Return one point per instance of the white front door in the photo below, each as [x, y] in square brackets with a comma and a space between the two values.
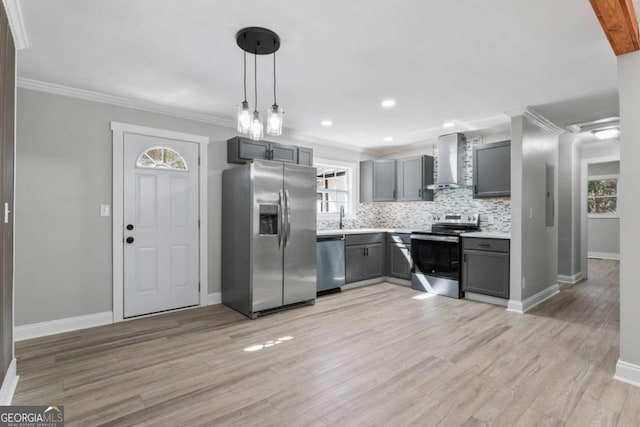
[160, 235]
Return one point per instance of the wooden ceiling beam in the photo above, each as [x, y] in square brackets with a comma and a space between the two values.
[619, 22]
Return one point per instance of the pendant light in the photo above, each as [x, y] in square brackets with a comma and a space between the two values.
[274, 115]
[258, 41]
[244, 111]
[256, 129]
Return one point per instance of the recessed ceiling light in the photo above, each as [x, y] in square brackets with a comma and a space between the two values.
[607, 133]
[326, 123]
[449, 124]
[388, 139]
[388, 103]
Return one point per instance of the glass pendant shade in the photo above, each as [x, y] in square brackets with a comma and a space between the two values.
[274, 120]
[256, 132]
[245, 114]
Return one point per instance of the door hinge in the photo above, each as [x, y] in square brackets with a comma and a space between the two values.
[198, 223]
[198, 160]
[198, 286]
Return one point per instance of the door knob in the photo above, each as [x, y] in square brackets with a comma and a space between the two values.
[129, 240]
[129, 227]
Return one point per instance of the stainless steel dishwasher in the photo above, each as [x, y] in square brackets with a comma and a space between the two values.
[330, 263]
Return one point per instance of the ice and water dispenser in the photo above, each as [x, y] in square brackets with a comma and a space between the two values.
[268, 219]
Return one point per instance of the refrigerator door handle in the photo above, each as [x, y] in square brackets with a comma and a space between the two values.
[281, 218]
[287, 204]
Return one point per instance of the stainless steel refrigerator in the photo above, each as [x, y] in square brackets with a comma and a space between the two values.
[268, 237]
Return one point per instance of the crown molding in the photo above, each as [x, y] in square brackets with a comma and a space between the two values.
[16, 23]
[538, 118]
[151, 107]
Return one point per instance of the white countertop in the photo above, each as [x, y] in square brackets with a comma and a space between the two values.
[363, 231]
[488, 235]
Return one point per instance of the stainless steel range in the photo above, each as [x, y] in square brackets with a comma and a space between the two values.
[437, 253]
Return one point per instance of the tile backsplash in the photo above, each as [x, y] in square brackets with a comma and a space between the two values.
[417, 215]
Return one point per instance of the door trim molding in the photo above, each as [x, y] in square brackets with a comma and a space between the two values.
[584, 217]
[9, 384]
[119, 130]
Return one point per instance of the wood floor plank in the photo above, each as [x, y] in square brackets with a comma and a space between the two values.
[371, 356]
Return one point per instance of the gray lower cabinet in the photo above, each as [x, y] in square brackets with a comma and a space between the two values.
[242, 150]
[486, 266]
[400, 261]
[378, 181]
[364, 257]
[492, 170]
[414, 175]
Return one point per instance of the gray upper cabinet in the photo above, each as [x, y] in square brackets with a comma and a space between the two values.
[378, 181]
[283, 153]
[242, 150]
[305, 156]
[492, 170]
[384, 180]
[414, 174]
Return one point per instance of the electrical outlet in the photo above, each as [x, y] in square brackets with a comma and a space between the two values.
[490, 220]
[105, 210]
[524, 283]
[530, 213]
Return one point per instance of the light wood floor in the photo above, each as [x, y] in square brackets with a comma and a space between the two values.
[370, 356]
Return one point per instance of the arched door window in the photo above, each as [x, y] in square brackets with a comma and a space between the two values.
[161, 158]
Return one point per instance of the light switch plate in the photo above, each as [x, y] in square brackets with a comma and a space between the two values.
[105, 210]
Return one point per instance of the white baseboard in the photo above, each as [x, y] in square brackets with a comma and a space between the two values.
[214, 298]
[9, 385]
[570, 280]
[604, 255]
[485, 298]
[363, 283]
[397, 281]
[533, 300]
[43, 329]
[627, 373]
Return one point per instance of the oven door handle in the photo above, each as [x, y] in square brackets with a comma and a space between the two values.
[433, 238]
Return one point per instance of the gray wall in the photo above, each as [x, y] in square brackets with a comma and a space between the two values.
[629, 91]
[534, 246]
[569, 206]
[64, 158]
[604, 233]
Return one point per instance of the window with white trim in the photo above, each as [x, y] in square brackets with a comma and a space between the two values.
[333, 189]
[161, 158]
[602, 196]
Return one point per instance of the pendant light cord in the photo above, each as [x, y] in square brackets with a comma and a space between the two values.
[255, 75]
[275, 100]
[245, 75]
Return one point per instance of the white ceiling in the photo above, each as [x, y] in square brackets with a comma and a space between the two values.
[464, 60]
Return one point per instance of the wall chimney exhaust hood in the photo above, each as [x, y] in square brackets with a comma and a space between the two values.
[450, 160]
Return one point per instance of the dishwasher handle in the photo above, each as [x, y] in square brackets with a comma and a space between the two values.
[329, 238]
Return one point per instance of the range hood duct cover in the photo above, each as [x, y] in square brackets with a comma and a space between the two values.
[450, 158]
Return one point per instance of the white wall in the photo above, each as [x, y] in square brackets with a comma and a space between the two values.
[603, 233]
[534, 246]
[629, 91]
[63, 247]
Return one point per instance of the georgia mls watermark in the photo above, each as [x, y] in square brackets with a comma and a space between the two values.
[31, 416]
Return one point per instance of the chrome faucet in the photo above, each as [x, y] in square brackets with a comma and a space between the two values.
[341, 225]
